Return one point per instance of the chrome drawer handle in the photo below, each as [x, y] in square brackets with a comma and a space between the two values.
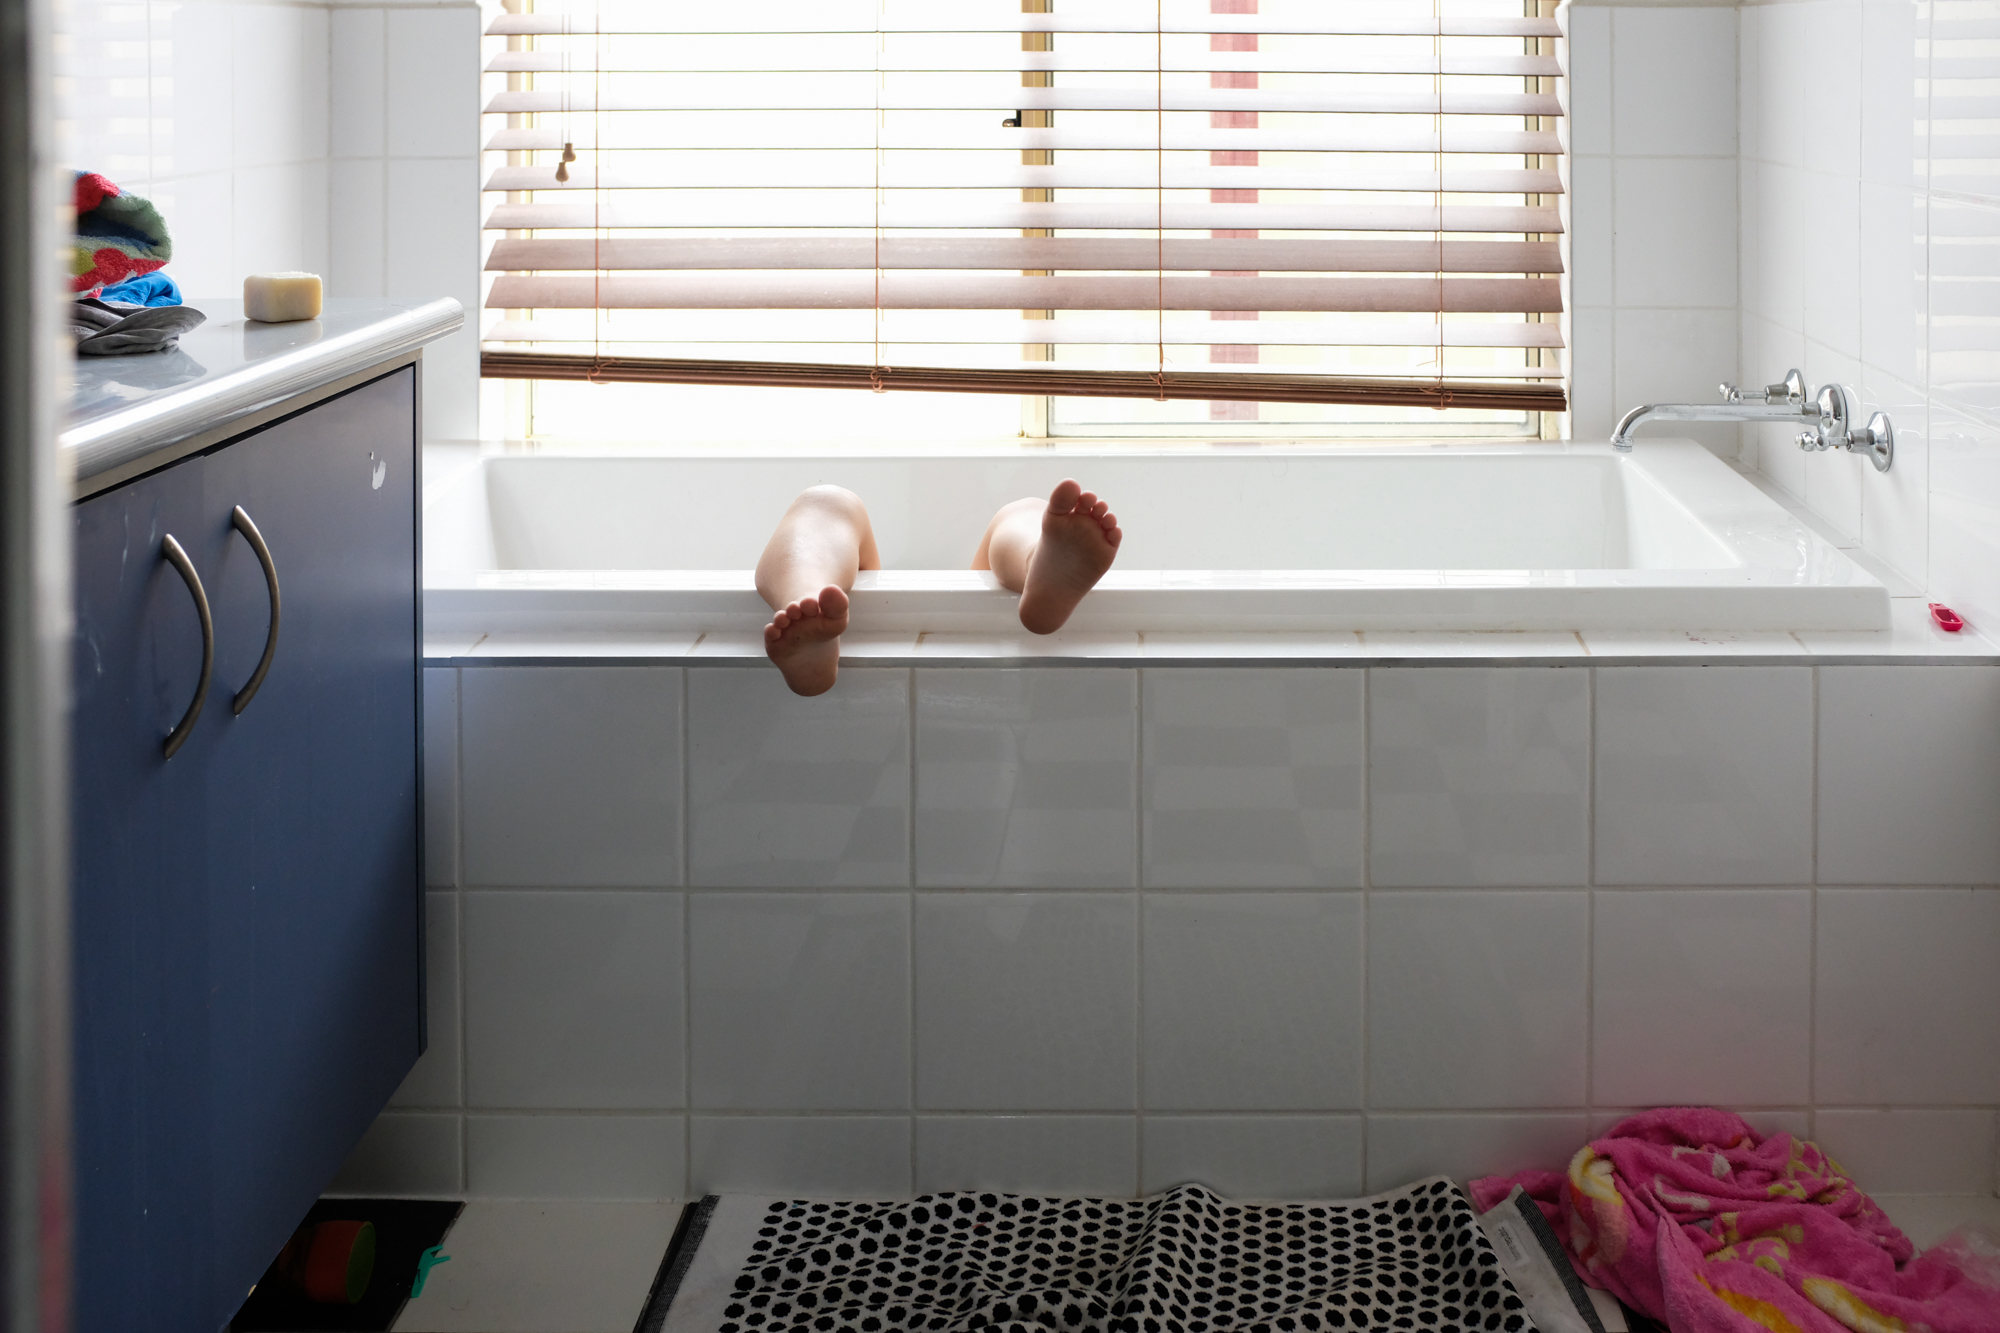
[178, 558]
[256, 539]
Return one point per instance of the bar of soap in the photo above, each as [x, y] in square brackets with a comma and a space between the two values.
[279, 298]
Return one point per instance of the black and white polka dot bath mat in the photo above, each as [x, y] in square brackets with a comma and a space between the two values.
[1181, 1262]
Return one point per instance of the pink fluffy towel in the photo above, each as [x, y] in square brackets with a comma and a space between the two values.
[1690, 1216]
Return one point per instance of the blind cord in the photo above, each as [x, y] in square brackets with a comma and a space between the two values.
[1160, 193]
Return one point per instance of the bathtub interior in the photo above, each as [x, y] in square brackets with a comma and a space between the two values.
[1227, 508]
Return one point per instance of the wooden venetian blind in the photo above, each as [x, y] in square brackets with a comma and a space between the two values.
[1342, 201]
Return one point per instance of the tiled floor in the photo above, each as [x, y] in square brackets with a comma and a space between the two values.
[545, 1266]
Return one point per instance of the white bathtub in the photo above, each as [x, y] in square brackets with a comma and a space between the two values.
[1226, 538]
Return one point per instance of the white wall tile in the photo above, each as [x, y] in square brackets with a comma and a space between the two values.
[1027, 1002]
[1895, 92]
[1907, 990]
[1773, 246]
[356, 229]
[1675, 971]
[1673, 80]
[1911, 1152]
[1478, 776]
[358, 67]
[1589, 79]
[799, 1002]
[1253, 1001]
[1403, 1148]
[790, 791]
[1678, 356]
[828, 1156]
[269, 229]
[1253, 778]
[1962, 65]
[1676, 231]
[1593, 401]
[1964, 261]
[431, 85]
[1593, 240]
[1895, 505]
[1895, 266]
[203, 71]
[1095, 1156]
[1964, 455]
[1908, 764]
[201, 215]
[573, 1000]
[1026, 778]
[403, 1153]
[571, 775]
[1477, 999]
[1704, 775]
[435, 1080]
[1256, 1157]
[1832, 259]
[441, 776]
[1831, 137]
[576, 1156]
[268, 61]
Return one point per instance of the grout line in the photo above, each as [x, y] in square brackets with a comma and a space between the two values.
[1813, 959]
[1137, 773]
[1590, 910]
[458, 913]
[910, 911]
[687, 938]
[1366, 879]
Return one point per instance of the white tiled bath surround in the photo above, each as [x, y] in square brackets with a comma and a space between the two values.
[1303, 929]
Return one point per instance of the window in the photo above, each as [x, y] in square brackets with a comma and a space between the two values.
[1114, 217]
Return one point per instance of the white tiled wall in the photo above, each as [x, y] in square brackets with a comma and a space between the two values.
[334, 138]
[1653, 200]
[1871, 217]
[1641, 890]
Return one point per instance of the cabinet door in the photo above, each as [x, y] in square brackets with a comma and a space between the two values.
[140, 917]
[315, 900]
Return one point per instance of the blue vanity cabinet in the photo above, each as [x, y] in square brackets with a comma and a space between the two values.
[248, 920]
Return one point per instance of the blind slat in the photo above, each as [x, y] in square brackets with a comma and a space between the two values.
[623, 59]
[788, 95]
[733, 134]
[860, 171]
[990, 329]
[901, 290]
[1346, 21]
[1070, 253]
[714, 210]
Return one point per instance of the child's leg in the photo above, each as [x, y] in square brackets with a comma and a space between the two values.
[804, 574]
[1051, 553]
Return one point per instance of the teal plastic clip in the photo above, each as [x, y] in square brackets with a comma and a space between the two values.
[426, 1261]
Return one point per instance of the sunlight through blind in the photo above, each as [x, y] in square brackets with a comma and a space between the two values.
[1340, 201]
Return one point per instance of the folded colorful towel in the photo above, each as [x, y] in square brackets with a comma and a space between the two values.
[118, 236]
[114, 328]
[1688, 1215]
[147, 289]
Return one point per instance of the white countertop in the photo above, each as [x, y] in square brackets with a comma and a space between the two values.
[125, 407]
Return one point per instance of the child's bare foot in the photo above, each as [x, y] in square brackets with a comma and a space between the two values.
[1080, 539]
[803, 639]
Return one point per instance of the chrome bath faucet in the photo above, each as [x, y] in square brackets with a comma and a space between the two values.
[1828, 417]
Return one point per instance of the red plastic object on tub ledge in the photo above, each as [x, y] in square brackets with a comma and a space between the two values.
[1945, 618]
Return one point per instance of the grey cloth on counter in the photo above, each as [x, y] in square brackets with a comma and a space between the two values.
[115, 328]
